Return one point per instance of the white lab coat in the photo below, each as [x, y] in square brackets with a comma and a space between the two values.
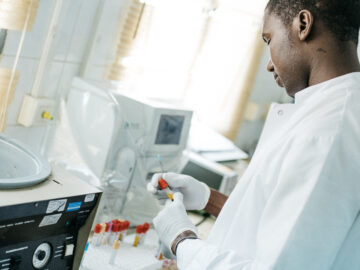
[297, 205]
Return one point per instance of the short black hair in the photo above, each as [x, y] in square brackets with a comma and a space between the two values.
[342, 17]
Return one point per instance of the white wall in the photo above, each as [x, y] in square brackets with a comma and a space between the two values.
[68, 56]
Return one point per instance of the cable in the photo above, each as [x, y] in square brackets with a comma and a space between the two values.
[205, 217]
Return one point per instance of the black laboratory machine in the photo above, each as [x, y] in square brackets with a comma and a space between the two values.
[46, 226]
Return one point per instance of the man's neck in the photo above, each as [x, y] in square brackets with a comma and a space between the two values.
[329, 64]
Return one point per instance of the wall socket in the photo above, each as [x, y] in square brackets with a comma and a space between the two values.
[35, 110]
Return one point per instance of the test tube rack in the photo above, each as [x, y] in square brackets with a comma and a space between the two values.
[128, 256]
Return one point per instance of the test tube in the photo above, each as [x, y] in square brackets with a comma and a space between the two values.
[102, 233]
[159, 254]
[165, 186]
[126, 228]
[146, 227]
[114, 232]
[113, 254]
[122, 230]
[139, 229]
[97, 235]
[106, 234]
[118, 231]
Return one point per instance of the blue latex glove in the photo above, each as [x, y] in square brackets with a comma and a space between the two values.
[172, 221]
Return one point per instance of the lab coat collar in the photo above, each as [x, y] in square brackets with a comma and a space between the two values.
[275, 127]
[347, 79]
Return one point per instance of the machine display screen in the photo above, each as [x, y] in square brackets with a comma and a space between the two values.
[209, 177]
[169, 131]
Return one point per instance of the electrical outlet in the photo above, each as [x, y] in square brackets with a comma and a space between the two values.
[36, 110]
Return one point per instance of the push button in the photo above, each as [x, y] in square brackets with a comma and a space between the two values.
[69, 250]
[40, 255]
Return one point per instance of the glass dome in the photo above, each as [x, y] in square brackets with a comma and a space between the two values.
[19, 166]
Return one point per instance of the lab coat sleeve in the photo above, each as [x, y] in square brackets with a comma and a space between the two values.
[306, 218]
[199, 255]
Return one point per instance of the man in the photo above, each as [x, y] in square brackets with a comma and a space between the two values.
[297, 205]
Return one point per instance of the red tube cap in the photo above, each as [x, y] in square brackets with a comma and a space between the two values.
[139, 229]
[163, 184]
[97, 228]
[115, 227]
[127, 224]
[115, 221]
[146, 227]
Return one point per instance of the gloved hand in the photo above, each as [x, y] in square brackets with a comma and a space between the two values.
[196, 193]
[172, 221]
[167, 253]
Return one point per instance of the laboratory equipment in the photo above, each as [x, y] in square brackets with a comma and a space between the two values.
[114, 252]
[106, 236]
[127, 257]
[215, 175]
[119, 137]
[96, 239]
[115, 228]
[46, 226]
[102, 233]
[19, 166]
[125, 227]
[159, 255]
[165, 187]
[145, 228]
[137, 237]
[141, 231]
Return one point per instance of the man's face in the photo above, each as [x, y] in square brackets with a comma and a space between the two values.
[285, 58]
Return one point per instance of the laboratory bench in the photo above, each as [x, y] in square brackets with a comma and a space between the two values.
[141, 257]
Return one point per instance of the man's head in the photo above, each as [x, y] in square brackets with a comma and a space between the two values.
[306, 35]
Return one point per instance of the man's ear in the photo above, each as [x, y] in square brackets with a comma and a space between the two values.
[304, 23]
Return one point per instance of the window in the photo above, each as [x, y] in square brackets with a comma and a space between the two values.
[196, 53]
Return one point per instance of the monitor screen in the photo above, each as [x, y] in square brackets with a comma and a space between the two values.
[169, 130]
[203, 174]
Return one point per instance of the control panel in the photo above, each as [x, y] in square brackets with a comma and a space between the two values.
[43, 234]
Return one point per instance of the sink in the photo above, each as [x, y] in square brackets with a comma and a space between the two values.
[19, 166]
